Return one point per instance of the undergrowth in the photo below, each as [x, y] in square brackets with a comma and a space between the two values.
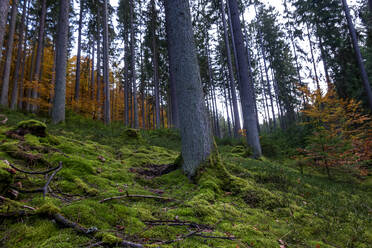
[255, 203]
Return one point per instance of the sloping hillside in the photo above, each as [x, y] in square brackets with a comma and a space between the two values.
[117, 187]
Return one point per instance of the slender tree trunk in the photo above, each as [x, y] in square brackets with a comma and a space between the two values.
[39, 53]
[133, 62]
[237, 126]
[92, 73]
[313, 57]
[78, 57]
[247, 89]
[194, 125]
[4, 9]
[155, 63]
[8, 60]
[126, 80]
[98, 69]
[227, 111]
[20, 52]
[59, 101]
[29, 90]
[363, 72]
[106, 64]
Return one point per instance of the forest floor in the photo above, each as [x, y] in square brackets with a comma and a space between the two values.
[252, 203]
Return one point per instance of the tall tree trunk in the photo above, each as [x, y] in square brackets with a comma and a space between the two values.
[247, 89]
[92, 72]
[126, 81]
[29, 90]
[39, 53]
[237, 126]
[4, 9]
[155, 63]
[20, 52]
[227, 111]
[106, 64]
[358, 54]
[313, 57]
[133, 62]
[8, 60]
[78, 57]
[196, 135]
[59, 101]
[98, 69]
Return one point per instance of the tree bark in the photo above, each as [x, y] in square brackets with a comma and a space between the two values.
[78, 57]
[20, 52]
[92, 72]
[59, 100]
[237, 126]
[196, 137]
[4, 9]
[8, 60]
[247, 89]
[106, 65]
[133, 65]
[39, 52]
[358, 54]
[98, 69]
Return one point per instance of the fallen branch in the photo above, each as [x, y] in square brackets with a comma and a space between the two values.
[23, 206]
[33, 172]
[138, 196]
[176, 223]
[178, 239]
[214, 237]
[44, 189]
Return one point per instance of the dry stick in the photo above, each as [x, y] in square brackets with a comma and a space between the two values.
[138, 196]
[24, 206]
[214, 237]
[34, 172]
[176, 223]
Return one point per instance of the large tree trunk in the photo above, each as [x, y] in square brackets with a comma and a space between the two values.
[78, 57]
[8, 60]
[59, 101]
[126, 80]
[133, 65]
[155, 64]
[106, 65]
[20, 52]
[247, 89]
[237, 126]
[358, 54]
[98, 69]
[195, 130]
[4, 9]
[39, 52]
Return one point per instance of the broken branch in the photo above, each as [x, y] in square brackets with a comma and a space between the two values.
[137, 196]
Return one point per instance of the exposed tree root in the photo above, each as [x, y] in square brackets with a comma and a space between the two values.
[138, 196]
[34, 172]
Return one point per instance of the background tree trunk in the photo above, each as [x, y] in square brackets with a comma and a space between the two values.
[8, 59]
[59, 100]
[133, 65]
[194, 125]
[247, 89]
[78, 57]
[20, 52]
[358, 54]
[106, 65]
[4, 9]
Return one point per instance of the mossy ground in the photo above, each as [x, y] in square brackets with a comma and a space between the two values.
[257, 202]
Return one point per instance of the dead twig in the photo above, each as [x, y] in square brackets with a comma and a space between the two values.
[138, 196]
[23, 206]
[176, 223]
[33, 172]
[214, 237]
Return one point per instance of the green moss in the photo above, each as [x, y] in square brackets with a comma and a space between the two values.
[32, 140]
[108, 238]
[83, 186]
[35, 127]
[132, 133]
[6, 177]
[48, 209]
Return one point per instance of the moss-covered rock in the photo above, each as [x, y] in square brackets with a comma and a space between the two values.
[133, 133]
[6, 176]
[34, 127]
